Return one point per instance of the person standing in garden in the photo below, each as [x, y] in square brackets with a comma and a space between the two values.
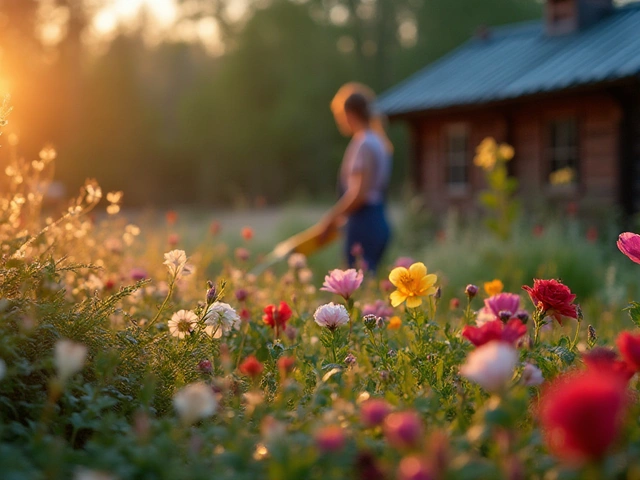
[363, 177]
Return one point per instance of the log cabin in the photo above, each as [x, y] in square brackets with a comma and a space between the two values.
[564, 92]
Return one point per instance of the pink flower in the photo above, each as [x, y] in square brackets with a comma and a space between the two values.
[405, 262]
[330, 439]
[509, 333]
[374, 411]
[629, 244]
[379, 308]
[403, 429]
[502, 304]
[342, 282]
[138, 274]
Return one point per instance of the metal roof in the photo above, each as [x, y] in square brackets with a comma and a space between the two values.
[519, 60]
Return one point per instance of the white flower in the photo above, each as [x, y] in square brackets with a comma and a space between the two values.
[331, 315]
[297, 261]
[69, 358]
[176, 262]
[182, 323]
[532, 375]
[3, 369]
[484, 315]
[491, 365]
[220, 319]
[194, 402]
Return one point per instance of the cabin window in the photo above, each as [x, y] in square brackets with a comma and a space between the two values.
[563, 151]
[457, 155]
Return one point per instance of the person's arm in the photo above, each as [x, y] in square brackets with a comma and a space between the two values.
[358, 186]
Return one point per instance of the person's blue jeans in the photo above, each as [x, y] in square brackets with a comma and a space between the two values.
[368, 227]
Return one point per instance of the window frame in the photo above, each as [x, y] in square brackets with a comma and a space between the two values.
[563, 155]
[459, 160]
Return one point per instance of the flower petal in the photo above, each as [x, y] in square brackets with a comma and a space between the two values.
[396, 274]
[414, 302]
[418, 270]
[397, 298]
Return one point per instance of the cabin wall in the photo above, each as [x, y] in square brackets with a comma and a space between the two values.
[526, 127]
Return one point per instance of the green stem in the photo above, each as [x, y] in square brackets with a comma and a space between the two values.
[575, 338]
[333, 345]
[164, 304]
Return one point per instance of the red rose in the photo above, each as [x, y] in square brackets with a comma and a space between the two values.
[251, 367]
[510, 332]
[629, 346]
[555, 299]
[607, 362]
[581, 414]
[277, 316]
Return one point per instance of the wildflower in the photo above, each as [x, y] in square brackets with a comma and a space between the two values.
[629, 244]
[297, 261]
[182, 323]
[251, 367]
[607, 362]
[241, 294]
[205, 366]
[404, 262]
[471, 291]
[194, 402]
[454, 303]
[212, 293]
[331, 316]
[486, 154]
[69, 358]
[379, 308]
[507, 303]
[370, 321]
[563, 176]
[342, 282]
[285, 365]
[373, 412]
[554, 299]
[581, 415]
[532, 375]
[403, 429]
[494, 330]
[411, 284]
[176, 262]
[138, 274]
[491, 365]
[277, 317]
[247, 233]
[330, 439]
[394, 323]
[414, 467]
[493, 287]
[629, 346]
[173, 239]
[171, 217]
[242, 254]
[350, 360]
[221, 318]
[506, 151]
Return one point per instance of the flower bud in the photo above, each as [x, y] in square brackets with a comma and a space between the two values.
[471, 291]
[212, 293]
[592, 337]
[403, 429]
[350, 360]
[438, 293]
[523, 316]
[205, 366]
[504, 315]
[370, 321]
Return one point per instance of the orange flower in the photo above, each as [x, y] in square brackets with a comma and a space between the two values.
[493, 287]
[411, 285]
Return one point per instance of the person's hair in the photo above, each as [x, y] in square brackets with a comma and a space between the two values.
[357, 104]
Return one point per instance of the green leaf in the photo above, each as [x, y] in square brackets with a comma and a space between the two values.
[634, 312]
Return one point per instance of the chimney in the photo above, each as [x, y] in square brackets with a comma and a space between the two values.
[569, 16]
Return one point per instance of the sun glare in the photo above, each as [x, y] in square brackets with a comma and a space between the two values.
[162, 12]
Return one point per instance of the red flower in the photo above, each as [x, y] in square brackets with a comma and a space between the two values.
[581, 414]
[277, 316]
[247, 233]
[172, 217]
[285, 365]
[555, 298]
[606, 361]
[330, 439]
[629, 346]
[510, 332]
[251, 367]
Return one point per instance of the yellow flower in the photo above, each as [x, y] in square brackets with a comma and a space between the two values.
[506, 152]
[493, 287]
[564, 176]
[411, 285]
[394, 323]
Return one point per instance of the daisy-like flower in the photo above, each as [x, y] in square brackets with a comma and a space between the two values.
[411, 285]
[176, 262]
[331, 316]
[220, 319]
[182, 322]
